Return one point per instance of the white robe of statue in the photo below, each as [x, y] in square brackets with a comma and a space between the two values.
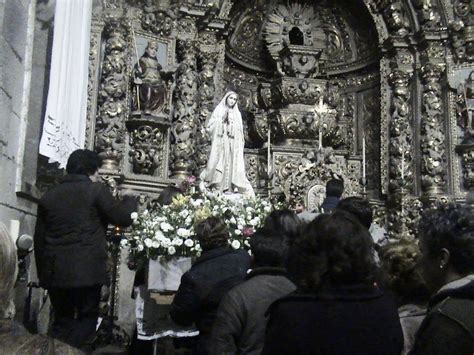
[225, 170]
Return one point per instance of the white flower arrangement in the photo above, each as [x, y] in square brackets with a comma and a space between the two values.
[169, 230]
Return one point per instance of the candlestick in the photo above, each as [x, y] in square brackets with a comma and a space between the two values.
[363, 160]
[320, 135]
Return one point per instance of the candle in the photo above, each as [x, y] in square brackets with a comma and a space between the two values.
[363, 160]
[403, 164]
[269, 151]
[321, 103]
[320, 133]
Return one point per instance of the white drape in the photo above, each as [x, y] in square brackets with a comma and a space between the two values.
[66, 108]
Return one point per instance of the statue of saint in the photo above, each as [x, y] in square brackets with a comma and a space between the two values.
[225, 170]
[151, 89]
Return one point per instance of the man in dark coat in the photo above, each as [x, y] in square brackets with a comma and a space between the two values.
[240, 323]
[213, 274]
[334, 190]
[70, 245]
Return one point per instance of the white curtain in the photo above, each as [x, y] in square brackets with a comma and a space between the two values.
[66, 108]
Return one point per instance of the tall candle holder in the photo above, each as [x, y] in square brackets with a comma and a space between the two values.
[319, 111]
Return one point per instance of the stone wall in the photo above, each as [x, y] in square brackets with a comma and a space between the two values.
[24, 38]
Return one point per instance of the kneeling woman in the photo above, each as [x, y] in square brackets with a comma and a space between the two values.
[337, 308]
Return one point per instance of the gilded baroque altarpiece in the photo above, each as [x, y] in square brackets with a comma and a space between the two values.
[316, 80]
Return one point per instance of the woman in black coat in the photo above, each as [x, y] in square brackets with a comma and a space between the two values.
[337, 308]
[70, 246]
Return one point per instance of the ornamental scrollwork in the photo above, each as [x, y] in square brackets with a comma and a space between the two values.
[401, 170]
[403, 215]
[112, 96]
[158, 21]
[432, 132]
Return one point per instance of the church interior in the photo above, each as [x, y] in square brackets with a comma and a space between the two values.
[377, 93]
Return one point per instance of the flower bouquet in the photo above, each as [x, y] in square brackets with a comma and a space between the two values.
[169, 230]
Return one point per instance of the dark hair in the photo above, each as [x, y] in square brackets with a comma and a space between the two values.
[167, 194]
[212, 233]
[359, 207]
[450, 227]
[283, 222]
[334, 249]
[334, 187]
[401, 275]
[83, 162]
[268, 250]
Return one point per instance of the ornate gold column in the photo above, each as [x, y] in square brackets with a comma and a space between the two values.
[432, 136]
[185, 111]
[113, 105]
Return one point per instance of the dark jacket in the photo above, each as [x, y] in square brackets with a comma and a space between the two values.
[329, 203]
[70, 244]
[204, 285]
[357, 319]
[449, 324]
[240, 323]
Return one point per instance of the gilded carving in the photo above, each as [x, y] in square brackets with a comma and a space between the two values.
[428, 14]
[432, 131]
[395, 16]
[461, 30]
[184, 123]
[112, 110]
[401, 170]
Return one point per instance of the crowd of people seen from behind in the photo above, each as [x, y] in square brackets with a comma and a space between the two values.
[317, 282]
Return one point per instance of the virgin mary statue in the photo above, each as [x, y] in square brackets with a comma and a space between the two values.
[225, 170]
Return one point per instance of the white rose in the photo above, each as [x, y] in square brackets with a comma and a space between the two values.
[267, 209]
[134, 215]
[183, 232]
[235, 244]
[184, 213]
[177, 241]
[198, 254]
[171, 250]
[197, 247]
[159, 235]
[124, 243]
[145, 213]
[249, 209]
[166, 242]
[232, 220]
[189, 243]
[155, 244]
[148, 242]
[255, 221]
[140, 247]
[237, 232]
[165, 227]
[188, 220]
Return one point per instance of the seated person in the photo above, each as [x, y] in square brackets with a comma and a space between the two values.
[447, 264]
[337, 308]
[399, 263]
[240, 321]
[215, 272]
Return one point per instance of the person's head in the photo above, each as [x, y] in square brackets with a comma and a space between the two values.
[334, 249]
[83, 162]
[151, 48]
[231, 99]
[283, 222]
[268, 250]
[446, 237]
[167, 194]
[359, 207]
[212, 233]
[335, 188]
[401, 275]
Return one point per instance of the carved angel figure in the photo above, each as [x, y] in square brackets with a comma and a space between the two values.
[225, 170]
